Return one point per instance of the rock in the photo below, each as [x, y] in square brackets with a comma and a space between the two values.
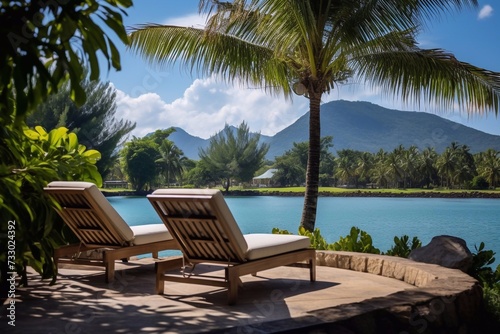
[446, 251]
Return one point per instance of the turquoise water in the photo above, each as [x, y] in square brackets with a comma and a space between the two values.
[474, 220]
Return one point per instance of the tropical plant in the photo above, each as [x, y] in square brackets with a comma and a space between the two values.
[139, 156]
[318, 242]
[356, 241]
[56, 155]
[43, 45]
[94, 122]
[234, 154]
[488, 166]
[314, 45]
[402, 246]
[170, 161]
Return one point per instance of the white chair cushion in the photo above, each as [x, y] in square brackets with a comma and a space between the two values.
[116, 220]
[145, 234]
[265, 245]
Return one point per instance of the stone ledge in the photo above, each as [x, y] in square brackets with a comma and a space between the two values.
[444, 299]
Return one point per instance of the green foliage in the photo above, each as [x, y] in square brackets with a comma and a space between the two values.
[38, 157]
[479, 182]
[491, 297]
[44, 43]
[140, 156]
[402, 246]
[293, 163]
[234, 155]
[94, 122]
[488, 278]
[481, 266]
[317, 240]
[356, 241]
[170, 162]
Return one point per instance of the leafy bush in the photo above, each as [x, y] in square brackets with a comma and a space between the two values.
[37, 158]
[317, 240]
[488, 278]
[402, 247]
[356, 241]
[479, 183]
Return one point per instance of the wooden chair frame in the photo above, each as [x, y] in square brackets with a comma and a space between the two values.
[197, 223]
[94, 227]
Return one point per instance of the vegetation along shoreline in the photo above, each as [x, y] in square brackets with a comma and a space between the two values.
[346, 193]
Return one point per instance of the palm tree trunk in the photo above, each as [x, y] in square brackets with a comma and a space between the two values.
[312, 175]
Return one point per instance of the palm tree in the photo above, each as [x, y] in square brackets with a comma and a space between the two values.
[447, 165]
[427, 167]
[171, 160]
[488, 166]
[313, 45]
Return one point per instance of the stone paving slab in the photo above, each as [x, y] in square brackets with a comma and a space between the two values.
[276, 300]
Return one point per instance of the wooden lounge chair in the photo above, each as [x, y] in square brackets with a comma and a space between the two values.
[98, 226]
[202, 224]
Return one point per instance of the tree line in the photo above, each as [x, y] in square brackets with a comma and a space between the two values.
[235, 157]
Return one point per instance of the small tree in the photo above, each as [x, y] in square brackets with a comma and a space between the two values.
[234, 155]
[140, 156]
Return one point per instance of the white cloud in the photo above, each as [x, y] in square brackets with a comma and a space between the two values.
[190, 20]
[485, 12]
[206, 106]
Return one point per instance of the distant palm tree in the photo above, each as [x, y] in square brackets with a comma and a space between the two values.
[313, 45]
[171, 160]
[447, 165]
[428, 165]
[488, 166]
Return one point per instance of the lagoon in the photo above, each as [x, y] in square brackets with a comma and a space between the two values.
[474, 220]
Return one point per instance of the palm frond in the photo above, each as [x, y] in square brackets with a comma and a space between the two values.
[206, 53]
[434, 76]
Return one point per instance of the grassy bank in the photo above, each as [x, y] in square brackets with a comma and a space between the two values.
[334, 191]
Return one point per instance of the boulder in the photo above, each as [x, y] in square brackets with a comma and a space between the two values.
[446, 251]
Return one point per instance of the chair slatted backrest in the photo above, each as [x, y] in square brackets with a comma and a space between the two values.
[85, 216]
[200, 227]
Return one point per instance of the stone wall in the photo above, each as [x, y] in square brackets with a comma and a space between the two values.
[444, 301]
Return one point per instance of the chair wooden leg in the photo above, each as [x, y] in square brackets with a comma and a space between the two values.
[155, 255]
[312, 268]
[161, 267]
[160, 284]
[109, 264]
[233, 281]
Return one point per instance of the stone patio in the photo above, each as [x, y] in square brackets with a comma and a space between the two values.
[354, 293]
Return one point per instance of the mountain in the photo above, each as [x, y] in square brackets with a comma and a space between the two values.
[366, 127]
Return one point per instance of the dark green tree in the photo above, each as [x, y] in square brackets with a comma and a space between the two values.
[170, 161]
[234, 154]
[140, 156]
[94, 122]
[488, 166]
[292, 164]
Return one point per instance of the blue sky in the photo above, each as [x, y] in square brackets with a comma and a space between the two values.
[160, 98]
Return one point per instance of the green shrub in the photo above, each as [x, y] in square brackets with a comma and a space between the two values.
[356, 241]
[488, 278]
[37, 158]
[479, 183]
[402, 247]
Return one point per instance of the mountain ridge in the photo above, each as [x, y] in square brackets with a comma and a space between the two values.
[363, 126]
